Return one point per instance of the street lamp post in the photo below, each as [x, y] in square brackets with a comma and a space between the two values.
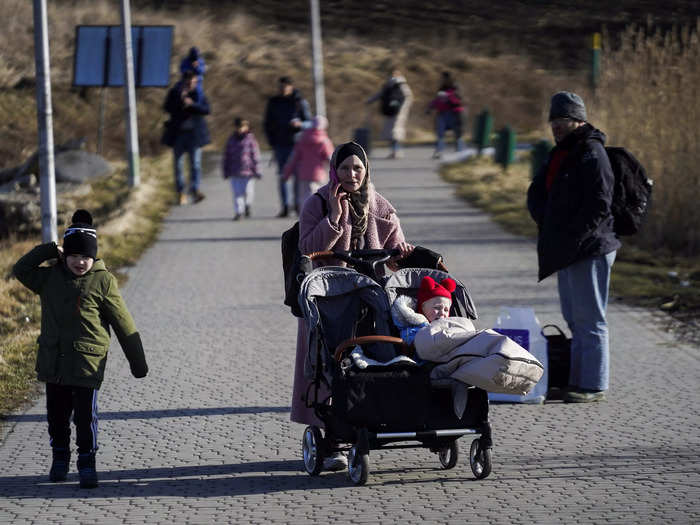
[47, 173]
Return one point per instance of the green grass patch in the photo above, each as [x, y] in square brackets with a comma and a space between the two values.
[640, 276]
[128, 221]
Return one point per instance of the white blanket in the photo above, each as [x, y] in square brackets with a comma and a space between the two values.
[484, 358]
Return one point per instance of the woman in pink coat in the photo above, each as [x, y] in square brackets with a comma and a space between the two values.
[309, 160]
[355, 216]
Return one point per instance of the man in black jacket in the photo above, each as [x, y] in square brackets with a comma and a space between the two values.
[285, 115]
[570, 201]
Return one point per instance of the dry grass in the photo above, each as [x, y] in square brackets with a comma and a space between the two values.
[649, 102]
[245, 55]
[126, 229]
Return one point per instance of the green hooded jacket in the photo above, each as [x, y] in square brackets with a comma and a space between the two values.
[76, 313]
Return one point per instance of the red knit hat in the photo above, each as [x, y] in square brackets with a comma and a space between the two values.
[429, 289]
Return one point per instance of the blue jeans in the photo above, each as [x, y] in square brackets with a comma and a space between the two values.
[448, 120]
[185, 144]
[281, 155]
[583, 294]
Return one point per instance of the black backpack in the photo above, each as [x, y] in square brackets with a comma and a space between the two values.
[291, 265]
[632, 194]
[392, 99]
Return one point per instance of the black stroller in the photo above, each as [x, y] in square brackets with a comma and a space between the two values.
[380, 406]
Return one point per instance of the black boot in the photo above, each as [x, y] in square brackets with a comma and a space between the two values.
[284, 212]
[247, 210]
[86, 470]
[60, 464]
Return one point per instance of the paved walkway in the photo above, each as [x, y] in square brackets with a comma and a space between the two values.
[207, 438]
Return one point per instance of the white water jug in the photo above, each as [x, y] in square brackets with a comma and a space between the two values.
[521, 325]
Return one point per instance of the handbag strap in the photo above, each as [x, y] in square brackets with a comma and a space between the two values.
[561, 332]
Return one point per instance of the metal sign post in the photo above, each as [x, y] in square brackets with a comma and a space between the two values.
[47, 174]
[132, 138]
[317, 59]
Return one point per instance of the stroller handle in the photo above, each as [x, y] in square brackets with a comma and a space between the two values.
[347, 256]
[348, 343]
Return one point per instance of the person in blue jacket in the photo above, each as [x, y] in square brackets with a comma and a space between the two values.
[186, 132]
[194, 61]
[570, 200]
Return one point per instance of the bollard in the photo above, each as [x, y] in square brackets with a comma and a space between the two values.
[595, 60]
[482, 130]
[539, 155]
[505, 147]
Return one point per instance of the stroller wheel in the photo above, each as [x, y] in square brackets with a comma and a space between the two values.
[480, 459]
[358, 466]
[312, 450]
[449, 455]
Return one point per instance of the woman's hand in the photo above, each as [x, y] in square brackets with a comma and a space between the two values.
[405, 250]
[335, 196]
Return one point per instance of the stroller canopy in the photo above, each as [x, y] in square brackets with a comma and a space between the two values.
[341, 303]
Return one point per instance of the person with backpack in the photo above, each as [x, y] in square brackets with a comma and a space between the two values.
[396, 98]
[450, 111]
[345, 214]
[571, 199]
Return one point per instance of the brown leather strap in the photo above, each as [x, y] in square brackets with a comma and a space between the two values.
[318, 255]
[370, 339]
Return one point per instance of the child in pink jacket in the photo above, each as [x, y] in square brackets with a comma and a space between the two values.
[242, 165]
[309, 160]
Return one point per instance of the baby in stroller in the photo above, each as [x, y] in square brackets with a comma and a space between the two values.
[485, 359]
[433, 302]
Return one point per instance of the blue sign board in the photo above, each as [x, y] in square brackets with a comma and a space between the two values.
[99, 56]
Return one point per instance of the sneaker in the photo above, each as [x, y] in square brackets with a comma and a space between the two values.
[60, 464]
[198, 196]
[337, 461]
[181, 199]
[284, 212]
[86, 471]
[247, 210]
[584, 396]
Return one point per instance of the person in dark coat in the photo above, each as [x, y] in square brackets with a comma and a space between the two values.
[186, 132]
[570, 200]
[286, 114]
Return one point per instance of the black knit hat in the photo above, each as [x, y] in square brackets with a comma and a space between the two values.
[567, 105]
[347, 149]
[81, 237]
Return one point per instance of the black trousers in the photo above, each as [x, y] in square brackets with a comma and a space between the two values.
[61, 402]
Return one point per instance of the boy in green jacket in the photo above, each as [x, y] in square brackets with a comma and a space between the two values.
[80, 300]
